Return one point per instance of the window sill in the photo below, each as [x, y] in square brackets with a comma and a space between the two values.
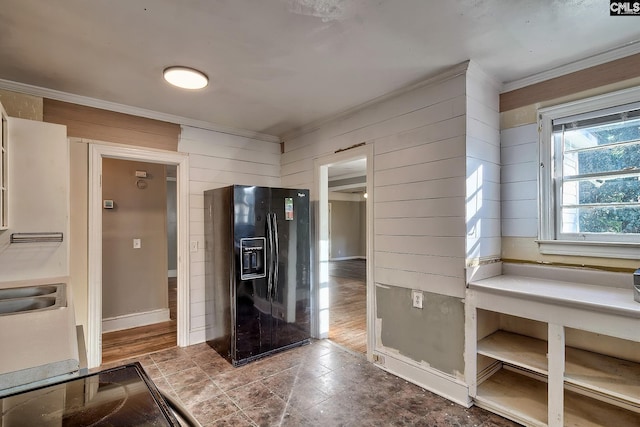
[589, 249]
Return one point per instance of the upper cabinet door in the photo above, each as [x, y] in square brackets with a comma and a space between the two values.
[4, 174]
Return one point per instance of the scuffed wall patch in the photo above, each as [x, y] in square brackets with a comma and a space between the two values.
[432, 336]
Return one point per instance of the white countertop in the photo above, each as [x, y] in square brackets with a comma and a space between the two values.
[606, 299]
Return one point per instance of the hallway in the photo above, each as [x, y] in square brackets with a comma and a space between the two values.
[128, 343]
[348, 304]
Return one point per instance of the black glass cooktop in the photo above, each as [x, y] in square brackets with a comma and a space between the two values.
[122, 396]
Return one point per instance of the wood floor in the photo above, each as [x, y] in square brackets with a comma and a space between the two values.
[348, 304]
[128, 343]
[347, 281]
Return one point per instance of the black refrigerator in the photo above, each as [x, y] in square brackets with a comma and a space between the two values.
[257, 270]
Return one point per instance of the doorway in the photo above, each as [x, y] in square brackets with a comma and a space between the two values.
[138, 296]
[344, 289]
[347, 182]
[97, 153]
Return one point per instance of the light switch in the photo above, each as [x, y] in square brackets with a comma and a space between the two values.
[194, 246]
[137, 244]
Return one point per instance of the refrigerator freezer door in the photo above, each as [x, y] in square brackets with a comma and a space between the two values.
[252, 305]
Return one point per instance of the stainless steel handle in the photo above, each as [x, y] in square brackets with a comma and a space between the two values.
[277, 255]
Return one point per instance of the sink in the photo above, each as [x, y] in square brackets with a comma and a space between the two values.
[37, 333]
[24, 299]
[10, 306]
[28, 291]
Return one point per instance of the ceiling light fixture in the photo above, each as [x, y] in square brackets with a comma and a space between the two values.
[185, 77]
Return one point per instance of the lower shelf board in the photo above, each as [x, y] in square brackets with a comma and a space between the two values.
[524, 400]
[514, 396]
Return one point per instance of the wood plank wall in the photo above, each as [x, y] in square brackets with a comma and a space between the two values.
[419, 179]
[589, 78]
[216, 160]
[109, 126]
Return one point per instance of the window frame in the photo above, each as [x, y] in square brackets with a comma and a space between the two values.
[549, 241]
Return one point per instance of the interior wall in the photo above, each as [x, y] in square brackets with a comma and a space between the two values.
[520, 157]
[134, 280]
[86, 125]
[483, 238]
[419, 163]
[103, 125]
[346, 229]
[20, 105]
[216, 160]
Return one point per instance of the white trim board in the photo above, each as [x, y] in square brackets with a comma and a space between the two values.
[344, 258]
[592, 61]
[425, 377]
[133, 320]
[321, 237]
[97, 151]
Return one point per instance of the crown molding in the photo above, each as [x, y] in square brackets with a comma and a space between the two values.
[127, 109]
[447, 74]
[601, 58]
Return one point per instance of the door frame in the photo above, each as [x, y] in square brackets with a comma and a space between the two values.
[320, 294]
[98, 151]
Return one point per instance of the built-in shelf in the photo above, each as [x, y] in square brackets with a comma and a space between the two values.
[515, 349]
[514, 396]
[524, 399]
[565, 380]
[603, 374]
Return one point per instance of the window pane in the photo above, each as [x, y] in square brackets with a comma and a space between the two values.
[628, 130]
[608, 159]
[614, 190]
[622, 220]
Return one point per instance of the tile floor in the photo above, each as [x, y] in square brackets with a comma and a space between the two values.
[321, 384]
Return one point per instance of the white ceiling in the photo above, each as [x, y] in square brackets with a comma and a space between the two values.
[276, 65]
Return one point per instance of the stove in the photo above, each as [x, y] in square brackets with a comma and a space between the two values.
[121, 396]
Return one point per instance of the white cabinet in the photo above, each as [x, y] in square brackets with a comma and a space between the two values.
[38, 176]
[554, 353]
[4, 171]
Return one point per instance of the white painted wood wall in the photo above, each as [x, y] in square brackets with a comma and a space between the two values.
[483, 167]
[519, 153]
[429, 143]
[419, 181]
[216, 160]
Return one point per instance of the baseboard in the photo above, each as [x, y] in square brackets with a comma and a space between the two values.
[425, 377]
[134, 320]
[172, 273]
[344, 258]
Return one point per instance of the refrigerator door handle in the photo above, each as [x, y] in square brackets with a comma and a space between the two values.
[276, 260]
[270, 262]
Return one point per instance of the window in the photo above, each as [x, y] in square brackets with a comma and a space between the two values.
[590, 177]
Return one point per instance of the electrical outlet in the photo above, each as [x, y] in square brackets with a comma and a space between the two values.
[416, 298]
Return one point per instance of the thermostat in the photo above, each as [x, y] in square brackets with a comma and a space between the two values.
[107, 204]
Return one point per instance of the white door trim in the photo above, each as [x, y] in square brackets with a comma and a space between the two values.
[98, 151]
[321, 256]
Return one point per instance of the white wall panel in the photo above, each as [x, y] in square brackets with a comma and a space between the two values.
[520, 227]
[438, 150]
[520, 181]
[215, 160]
[482, 168]
[445, 207]
[436, 189]
[421, 245]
